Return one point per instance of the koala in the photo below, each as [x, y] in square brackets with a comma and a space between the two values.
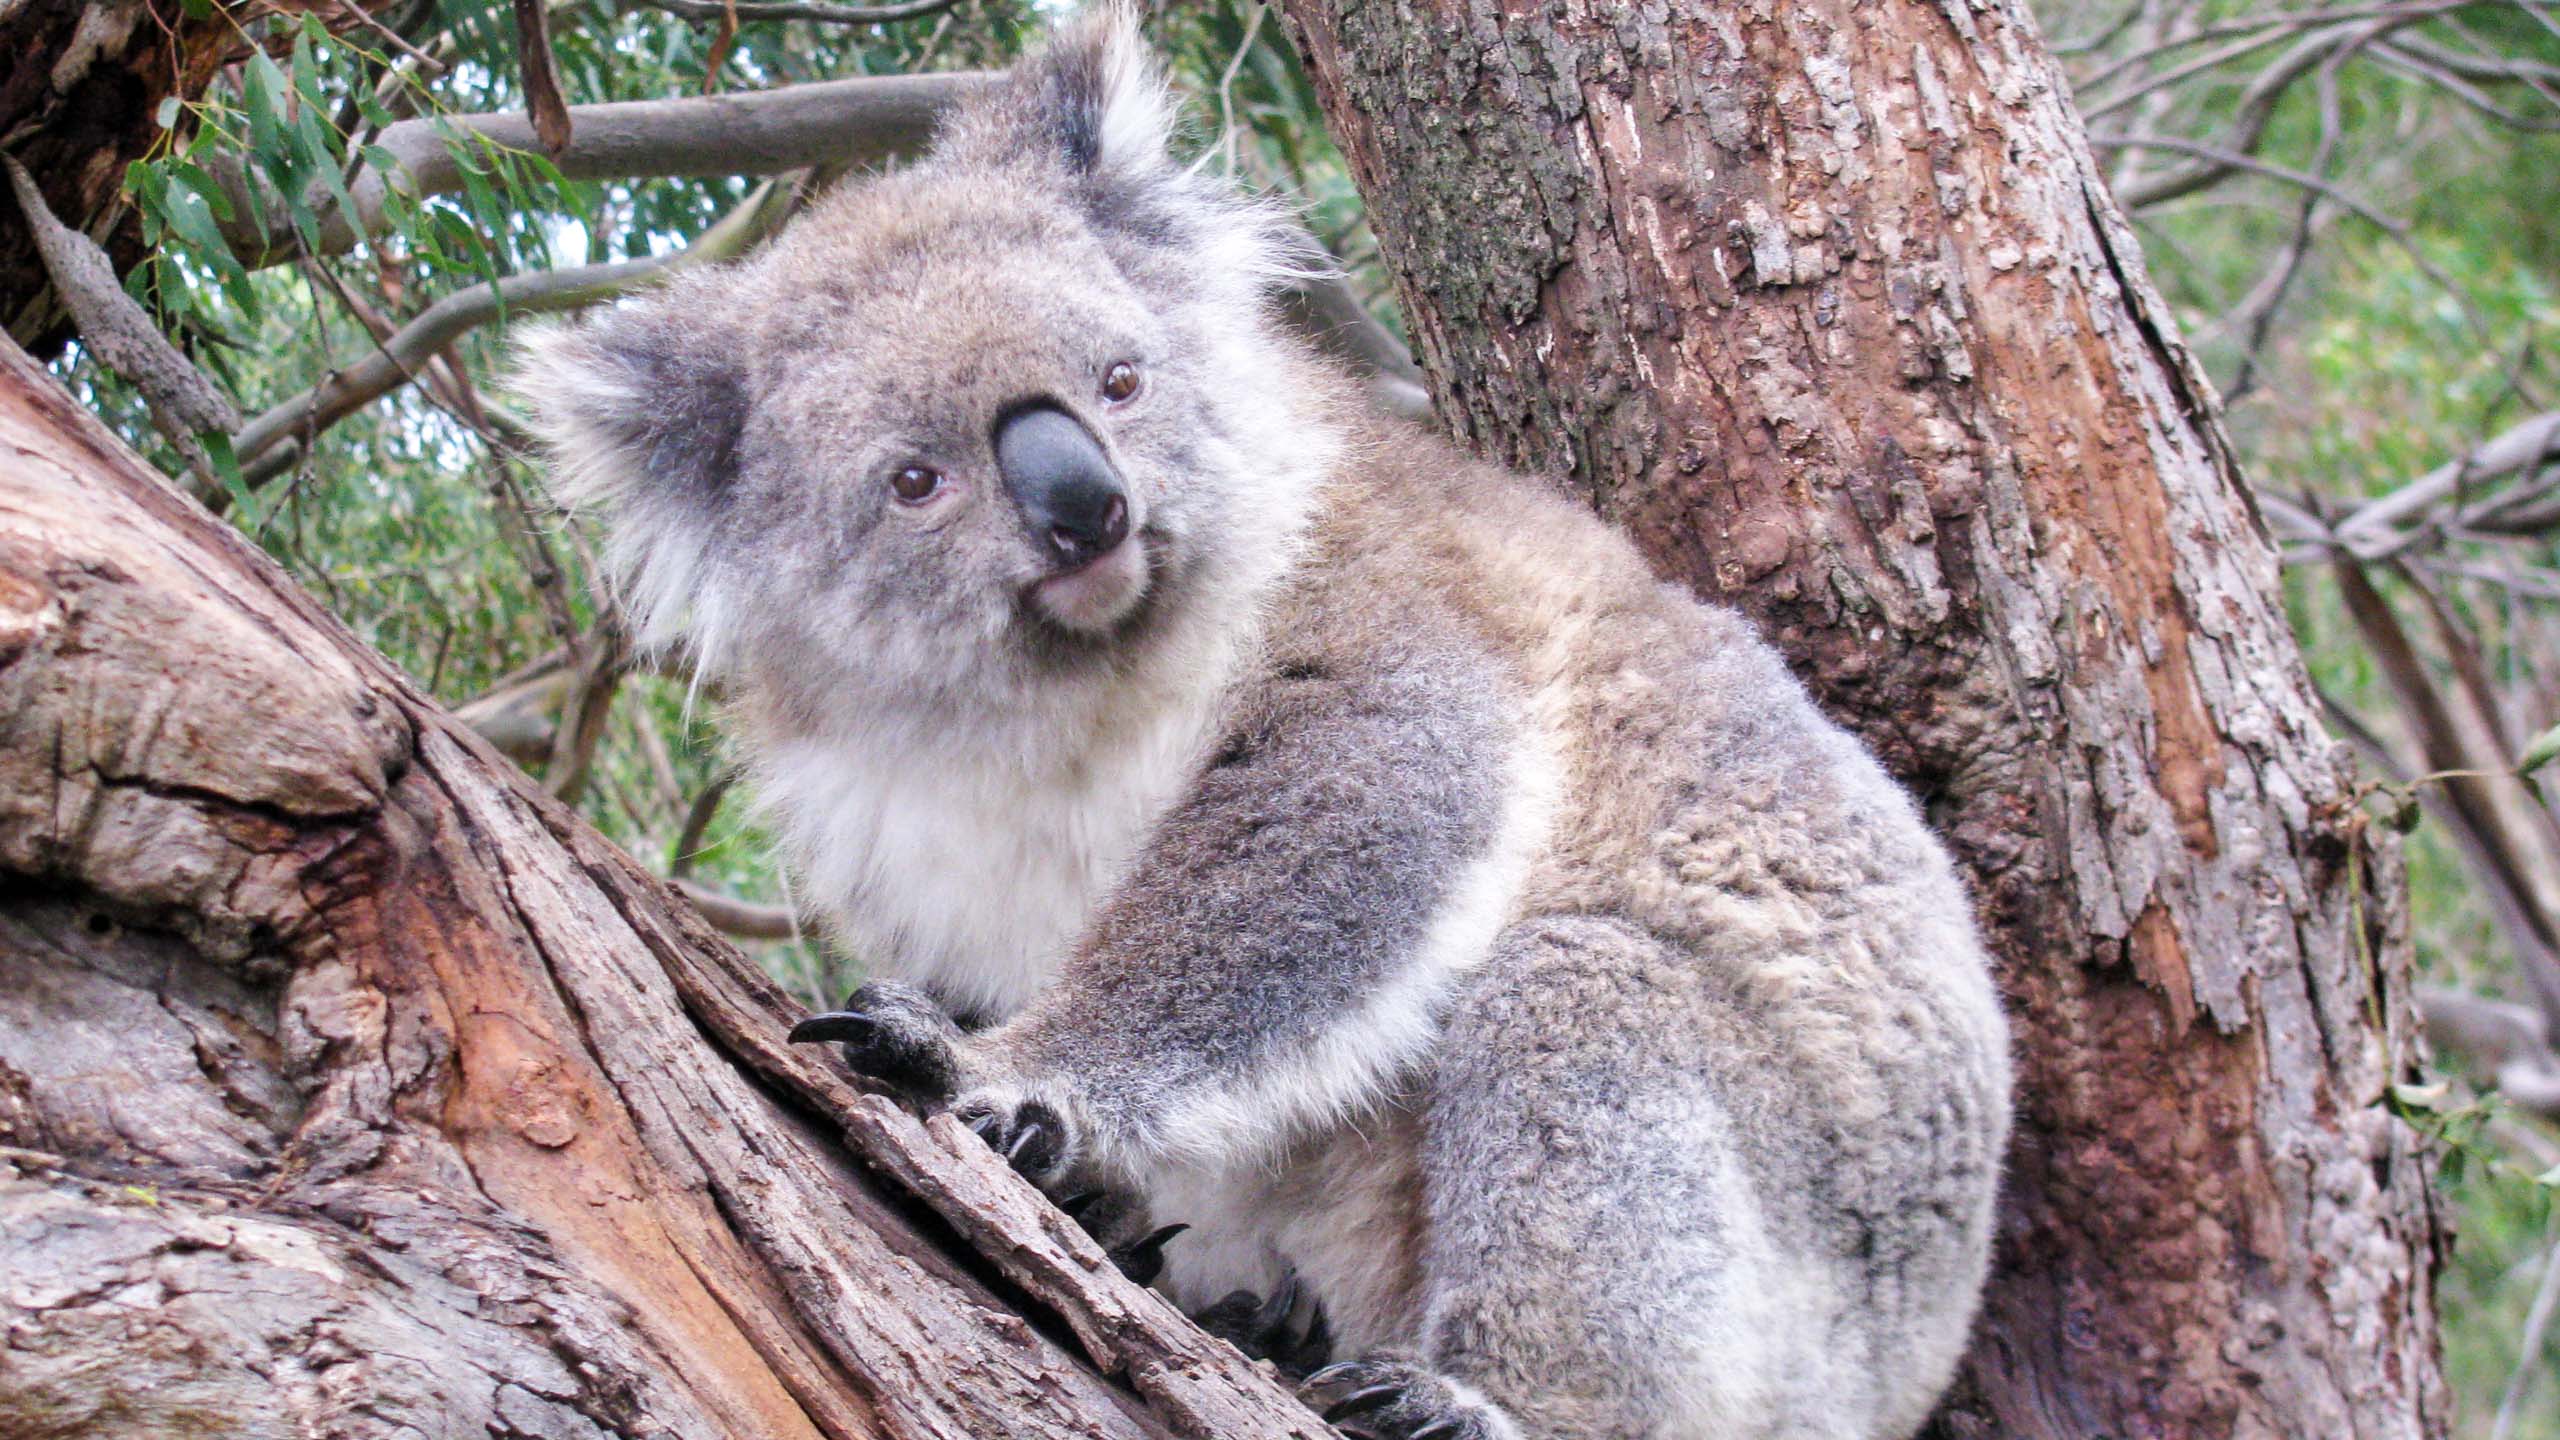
[1260, 817]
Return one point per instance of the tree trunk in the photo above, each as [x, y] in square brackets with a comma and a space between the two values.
[80, 94]
[351, 1086]
[1827, 305]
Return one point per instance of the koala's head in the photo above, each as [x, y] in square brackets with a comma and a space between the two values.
[1015, 412]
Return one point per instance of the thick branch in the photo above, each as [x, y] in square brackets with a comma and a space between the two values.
[381, 1027]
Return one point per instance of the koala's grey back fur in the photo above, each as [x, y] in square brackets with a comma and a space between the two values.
[1407, 890]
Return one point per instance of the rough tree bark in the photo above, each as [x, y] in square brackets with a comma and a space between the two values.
[79, 94]
[1826, 304]
[351, 1086]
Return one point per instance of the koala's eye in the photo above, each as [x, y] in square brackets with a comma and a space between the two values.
[916, 484]
[1120, 382]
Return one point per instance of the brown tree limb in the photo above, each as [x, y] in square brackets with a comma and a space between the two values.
[395, 361]
[829, 122]
[800, 10]
[387, 1071]
[740, 919]
[2508, 1045]
[546, 109]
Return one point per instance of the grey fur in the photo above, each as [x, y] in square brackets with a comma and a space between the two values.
[1387, 878]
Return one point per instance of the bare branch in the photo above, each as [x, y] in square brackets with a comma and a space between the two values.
[2509, 1045]
[2374, 532]
[800, 10]
[2537, 1324]
[603, 658]
[2154, 191]
[2256, 106]
[697, 823]
[739, 919]
[538, 74]
[116, 329]
[396, 361]
[519, 716]
[2485, 809]
[1326, 311]
[831, 122]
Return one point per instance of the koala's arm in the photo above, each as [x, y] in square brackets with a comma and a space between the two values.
[1275, 954]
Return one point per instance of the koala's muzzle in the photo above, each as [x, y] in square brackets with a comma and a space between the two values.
[1063, 484]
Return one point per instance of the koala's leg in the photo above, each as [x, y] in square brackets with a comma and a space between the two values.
[1598, 1262]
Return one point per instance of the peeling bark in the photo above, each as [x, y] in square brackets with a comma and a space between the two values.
[351, 1086]
[1827, 305]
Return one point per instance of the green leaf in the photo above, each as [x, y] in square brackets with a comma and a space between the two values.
[166, 117]
[196, 178]
[2544, 749]
[2429, 1098]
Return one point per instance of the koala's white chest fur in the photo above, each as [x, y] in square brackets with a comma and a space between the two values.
[968, 871]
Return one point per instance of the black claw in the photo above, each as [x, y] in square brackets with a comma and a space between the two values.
[1319, 1342]
[1333, 1372]
[1075, 1205]
[1143, 1261]
[1358, 1431]
[1364, 1400]
[1276, 1310]
[844, 1026]
[1437, 1430]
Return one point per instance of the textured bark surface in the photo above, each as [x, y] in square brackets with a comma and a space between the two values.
[1825, 303]
[350, 1086]
[80, 89]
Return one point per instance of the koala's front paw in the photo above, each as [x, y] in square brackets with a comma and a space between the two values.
[1120, 1222]
[1388, 1396]
[1263, 1329]
[896, 1034]
[1030, 1134]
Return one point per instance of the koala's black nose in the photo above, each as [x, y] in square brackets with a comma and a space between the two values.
[1062, 482]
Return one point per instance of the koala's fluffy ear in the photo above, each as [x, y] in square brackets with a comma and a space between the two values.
[639, 411]
[1091, 98]
[1093, 103]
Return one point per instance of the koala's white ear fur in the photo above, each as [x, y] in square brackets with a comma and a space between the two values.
[1106, 102]
[1135, 131]
[639, 411]
[644, 400]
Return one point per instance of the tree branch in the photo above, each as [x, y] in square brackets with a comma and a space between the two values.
[396, 361]
[2509, 1044]
[746, 10]
[739, 919]
[829, 122]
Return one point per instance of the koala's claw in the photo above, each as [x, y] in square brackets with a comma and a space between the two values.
[1032, 1137]
[1143, 1260]
[1364, 1400]
[1393, 1397]
[894, 1034]
[1074, 1206]
[1260, 1328]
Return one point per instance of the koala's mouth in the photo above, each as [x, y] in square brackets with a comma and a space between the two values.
[1094, 598]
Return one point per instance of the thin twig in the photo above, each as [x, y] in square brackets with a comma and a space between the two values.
[2537, 1324]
